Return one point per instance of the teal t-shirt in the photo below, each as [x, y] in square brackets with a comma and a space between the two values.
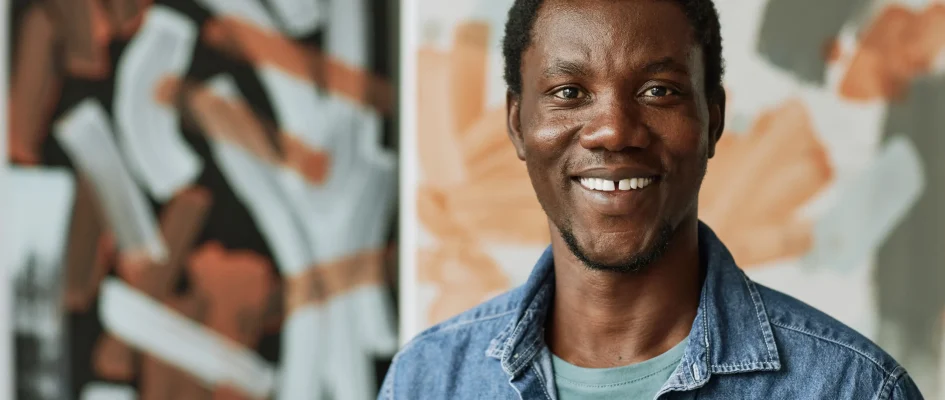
[636, 381]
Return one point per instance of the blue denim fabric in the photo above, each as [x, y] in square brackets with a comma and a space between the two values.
[747, 342]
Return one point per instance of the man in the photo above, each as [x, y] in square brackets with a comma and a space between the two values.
[616, 107]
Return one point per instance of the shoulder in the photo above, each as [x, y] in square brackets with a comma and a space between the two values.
[434, 359]
[471, 330]
[805, 334]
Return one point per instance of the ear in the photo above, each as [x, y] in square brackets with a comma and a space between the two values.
[513, 106]
[716, 120]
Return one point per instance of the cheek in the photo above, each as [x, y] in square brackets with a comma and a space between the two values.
[685, 154]
[548, 137]
[547, 145]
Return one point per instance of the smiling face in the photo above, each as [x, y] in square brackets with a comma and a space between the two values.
[614, 125]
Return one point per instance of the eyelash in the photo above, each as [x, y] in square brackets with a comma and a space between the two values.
[557, 93]
[581, 93]
[670, 91]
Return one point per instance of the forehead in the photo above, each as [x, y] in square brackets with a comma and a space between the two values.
[615, 33]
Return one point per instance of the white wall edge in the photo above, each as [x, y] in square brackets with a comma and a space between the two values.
[6, 286]
[409, 165]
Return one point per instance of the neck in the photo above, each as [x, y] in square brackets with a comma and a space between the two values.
[604, 319]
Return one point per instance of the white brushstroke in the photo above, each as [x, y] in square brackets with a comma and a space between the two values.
[348, 214]
[350, 376]
[868, 208]
[43, 200]
[299, 17]
[296, 103]
[86, 137]
[151, 327]
[252, 11]
[150, 134]
[255, 183]
[347, 37]
[108, 391]
[305, 354]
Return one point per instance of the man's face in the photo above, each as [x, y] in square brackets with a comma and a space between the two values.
[614, 125]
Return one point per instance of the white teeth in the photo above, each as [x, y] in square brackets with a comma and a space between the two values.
[609, 186]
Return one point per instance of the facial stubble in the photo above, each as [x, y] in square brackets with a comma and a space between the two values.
[634, 264]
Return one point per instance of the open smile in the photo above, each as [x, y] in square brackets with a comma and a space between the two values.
[617, 194]
[606, 185]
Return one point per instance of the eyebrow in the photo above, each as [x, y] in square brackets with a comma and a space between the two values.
[565, 68]
[666, 64]
[574, 68]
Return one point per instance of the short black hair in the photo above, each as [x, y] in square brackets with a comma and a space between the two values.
[701, 13]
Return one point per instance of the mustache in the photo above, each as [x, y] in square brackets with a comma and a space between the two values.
[603, 158]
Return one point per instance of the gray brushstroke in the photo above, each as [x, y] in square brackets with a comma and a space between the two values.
[911, 263]
[794, 33]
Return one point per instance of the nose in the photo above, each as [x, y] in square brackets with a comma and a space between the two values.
[616, 126]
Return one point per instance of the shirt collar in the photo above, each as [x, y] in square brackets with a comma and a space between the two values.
[730, 334]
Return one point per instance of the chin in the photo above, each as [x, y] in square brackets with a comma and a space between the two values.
[634, 254]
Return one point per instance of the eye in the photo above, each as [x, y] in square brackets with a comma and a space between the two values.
[660, 91]
[569, 93]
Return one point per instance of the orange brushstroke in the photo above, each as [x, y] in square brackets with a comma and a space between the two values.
[161, 381]
[756, 183]
[898, 46]
[328, 280]
[465, 276]
[474, 189]
[468, 64]
[263, 47]
[34, 86]
[215, 273]
[832, 50]
[312, 164]
[84, 29]
[226, 393]
[90, 250]
[126, 16]
[112, 359]
[234, 120]
[181, 221]
[168, 89]
[435, 215]
[440, 156]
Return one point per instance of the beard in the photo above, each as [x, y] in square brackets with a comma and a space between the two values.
[634, 264]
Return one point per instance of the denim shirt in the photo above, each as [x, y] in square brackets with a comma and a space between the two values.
[747, 342]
